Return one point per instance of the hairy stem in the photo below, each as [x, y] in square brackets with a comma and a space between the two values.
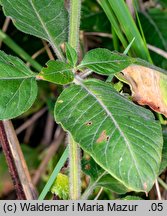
[75, 182]
[74, 151]
[75, 9]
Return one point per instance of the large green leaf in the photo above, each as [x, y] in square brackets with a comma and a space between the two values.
[100, 178]
[104, 61]
[18, 87]
[45, 19]
[57, 72]
[122, 137]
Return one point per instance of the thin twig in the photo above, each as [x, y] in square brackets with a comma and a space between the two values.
[151, 47]
[158, 190]
[30, 121]
[35, 55]
[59, 136]
[47, 137]
[28, 133]
[100, 34]
[157, 50]
[16, 163]
[49, 52]
[86, 73]
[5, 27]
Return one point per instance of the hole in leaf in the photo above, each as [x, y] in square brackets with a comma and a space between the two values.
[89, 123]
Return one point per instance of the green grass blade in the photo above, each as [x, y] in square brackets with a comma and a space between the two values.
[109, 12]
[54, 174]
[18, 50]
[129, 27]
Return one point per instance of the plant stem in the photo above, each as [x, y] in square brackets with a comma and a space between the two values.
[54, 174]
[75, 169]
[17, 49]
[16, 163]
[74, 151]
[91, 187]
[75, 9]
[162, 183]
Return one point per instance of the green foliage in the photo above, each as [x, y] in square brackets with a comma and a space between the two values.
[164, 152]
[105, 62]
[71, 55]
[100, 178]
[93, 18]
[18, 87]
[118, 14]
[132, 198]
[61, 186]
[57, 72]
[46, 19]
[123, 138]
[153, 24]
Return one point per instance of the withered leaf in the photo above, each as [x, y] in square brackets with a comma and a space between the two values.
[149, 87]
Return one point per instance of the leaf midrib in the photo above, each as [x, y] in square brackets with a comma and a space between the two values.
[52, 41]
[16, 78]
[102, 62]
[114, 121]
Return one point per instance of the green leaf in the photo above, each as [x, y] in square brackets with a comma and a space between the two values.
[100, 178]
[71, 55]
[132, 198]
[18, 87]
[105, 62]
[57, 72]
[61, 186]
[164, 153]
[123, 138]
[44, 19]
[163, 3]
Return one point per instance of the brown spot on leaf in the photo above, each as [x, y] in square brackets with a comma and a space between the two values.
[87, 167]
[102, 137]
[39, 77]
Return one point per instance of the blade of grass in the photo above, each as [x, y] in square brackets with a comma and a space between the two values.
[141, 30]
[109, 79]
[129, 27]
[109, 12]
[126, 23]
[54, 174]
[115, 40]
[19, 51]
